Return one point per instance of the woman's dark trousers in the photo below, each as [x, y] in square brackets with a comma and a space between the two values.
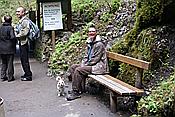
[7, 69]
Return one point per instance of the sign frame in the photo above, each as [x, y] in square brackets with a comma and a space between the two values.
[66, 9]
[52, 16]
[64, 4]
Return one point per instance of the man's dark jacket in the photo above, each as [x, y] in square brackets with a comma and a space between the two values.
[7, 39]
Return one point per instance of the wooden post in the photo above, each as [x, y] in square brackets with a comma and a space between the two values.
[32, 15]
[139, 75]
[53, 40]
[113, 102]
[38, 15]
[174, 105]
[69, 16]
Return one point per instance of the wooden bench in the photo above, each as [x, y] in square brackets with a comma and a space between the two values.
[118, 87]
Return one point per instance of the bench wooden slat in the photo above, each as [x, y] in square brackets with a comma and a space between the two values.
[117, 87]
[117, 84]
[138, 91]
[104, 82]
[126, 59]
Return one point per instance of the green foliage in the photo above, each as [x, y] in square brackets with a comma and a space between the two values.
[65, 53]
[150, 12]
[145, 41]
[151, 46]
[127, 73]
[120, 47]
[4, 4]
[115, 5]
[38, 50]
[85, 8]
[106, 16]
[160, 99]
[142, 46]
[89, 8]
[141, 41]
[8, 7]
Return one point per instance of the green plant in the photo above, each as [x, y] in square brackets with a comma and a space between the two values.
[150, 12]
[115, 5]
[106, 16]
[71, 51]
[159, 99]
[85, 8]
[64, 50]
[8, 7]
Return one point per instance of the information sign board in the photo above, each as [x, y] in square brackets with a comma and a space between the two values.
[52, 16]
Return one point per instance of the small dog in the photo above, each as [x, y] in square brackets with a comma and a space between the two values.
[60, 86]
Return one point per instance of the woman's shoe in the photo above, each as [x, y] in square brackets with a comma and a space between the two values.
[4, 78]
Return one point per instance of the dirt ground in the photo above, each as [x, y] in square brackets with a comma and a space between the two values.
[38, 98]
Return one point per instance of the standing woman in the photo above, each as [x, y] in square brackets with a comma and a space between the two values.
[7, 49]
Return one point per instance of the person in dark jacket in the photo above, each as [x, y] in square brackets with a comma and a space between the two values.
[94, 62]
[7, 49]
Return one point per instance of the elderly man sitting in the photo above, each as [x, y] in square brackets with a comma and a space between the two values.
[94, 62]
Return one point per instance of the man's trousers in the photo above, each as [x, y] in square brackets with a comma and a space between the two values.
[79, 74]
[25, 59]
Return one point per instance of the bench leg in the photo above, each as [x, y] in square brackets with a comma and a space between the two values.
[139, 75]
[113, 102]
[137, 98]
[83, 83]
[174, 105]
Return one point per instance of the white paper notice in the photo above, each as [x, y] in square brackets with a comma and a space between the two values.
[52, 16]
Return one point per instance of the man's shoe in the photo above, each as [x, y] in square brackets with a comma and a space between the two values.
[73, 95]
[23, 76]
[11, 79]
[29, 78]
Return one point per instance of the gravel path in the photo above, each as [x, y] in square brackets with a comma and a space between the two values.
[38, 98]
